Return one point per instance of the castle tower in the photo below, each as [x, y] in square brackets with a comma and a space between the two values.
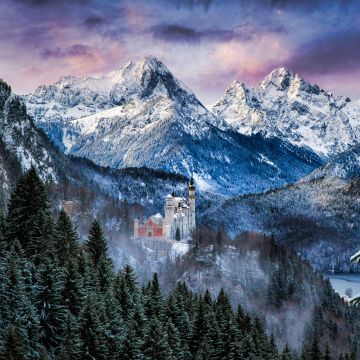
[192, 189]
[169, 209]
[136, 228]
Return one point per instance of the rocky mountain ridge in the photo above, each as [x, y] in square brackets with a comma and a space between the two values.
[288, 107]
[142, 115]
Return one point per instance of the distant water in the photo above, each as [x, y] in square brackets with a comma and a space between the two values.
[342, 282]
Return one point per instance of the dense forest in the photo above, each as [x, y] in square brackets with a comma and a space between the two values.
[62, 299]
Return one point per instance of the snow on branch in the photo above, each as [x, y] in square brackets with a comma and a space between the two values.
[356, 257]
[355, 300]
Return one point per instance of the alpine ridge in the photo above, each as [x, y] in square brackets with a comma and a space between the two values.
[142, 116]
[287, 107]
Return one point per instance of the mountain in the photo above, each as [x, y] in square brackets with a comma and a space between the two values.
[317, 216]
[142, 116]
[287, 107]
[22, 145]
[345, 165]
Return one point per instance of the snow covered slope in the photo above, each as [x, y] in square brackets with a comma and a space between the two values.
[142, 115]
[345, 165]
[318, 216]
[285, 106]
[21, 139]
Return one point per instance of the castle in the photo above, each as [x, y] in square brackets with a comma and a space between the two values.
[179, 219]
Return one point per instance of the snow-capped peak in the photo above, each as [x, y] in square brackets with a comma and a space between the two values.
[285, 105]
[280, 78]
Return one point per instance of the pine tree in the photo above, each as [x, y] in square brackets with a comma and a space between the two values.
[156, 344]
[13, 347]
[313, 352]
[70, 343]
[71, 292]
[18, 315]
[177, 234]
[123, 296]
[91, 332]
[66, 243]
[28, 204]
[174, 341]
[114, 326]
[3, 244]
[154, 305]
[286, 354]
[201, 341]
[96, 244]
[132, 345]
[104, 274]
[48, 297]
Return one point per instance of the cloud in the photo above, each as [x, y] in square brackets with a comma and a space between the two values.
[180, 33]
[339, 52]
[94, 21]
[77, 50]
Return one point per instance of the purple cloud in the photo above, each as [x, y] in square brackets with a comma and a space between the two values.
[339, 52]
[72, 51]
[180, 33]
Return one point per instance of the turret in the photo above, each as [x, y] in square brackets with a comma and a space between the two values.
[169, 214]
[192, 196]
[136, 228]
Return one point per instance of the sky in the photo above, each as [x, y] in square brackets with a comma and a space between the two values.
[206, 44]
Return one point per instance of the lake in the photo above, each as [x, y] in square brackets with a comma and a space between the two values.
[342, 282]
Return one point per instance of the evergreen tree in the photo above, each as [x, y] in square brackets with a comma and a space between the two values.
[114, 327]
[91, 332]
[48, 297]
[154, 305]
[19, 322]
[66, 239]
[28, 208]
[70, 343]
[286, 354]
[177, 234]
[13, 347]
[96, 244]
[71, 291]
[132, 345]
[156, 345]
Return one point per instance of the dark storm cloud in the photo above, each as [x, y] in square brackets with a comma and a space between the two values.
[94, 21]
[72, 51]
[180, 33]
[333, 53]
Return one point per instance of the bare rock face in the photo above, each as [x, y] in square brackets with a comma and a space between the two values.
[5, 91]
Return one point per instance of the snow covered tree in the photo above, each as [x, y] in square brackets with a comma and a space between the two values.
[13, 345]
[96, 244]
[66, 239]
[19, 322]
[91, 332]
[48, 299]
[71, 295]
[28, 208]
[70, 342]
[156, 344]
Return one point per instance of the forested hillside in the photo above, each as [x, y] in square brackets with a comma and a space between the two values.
[62, 299]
